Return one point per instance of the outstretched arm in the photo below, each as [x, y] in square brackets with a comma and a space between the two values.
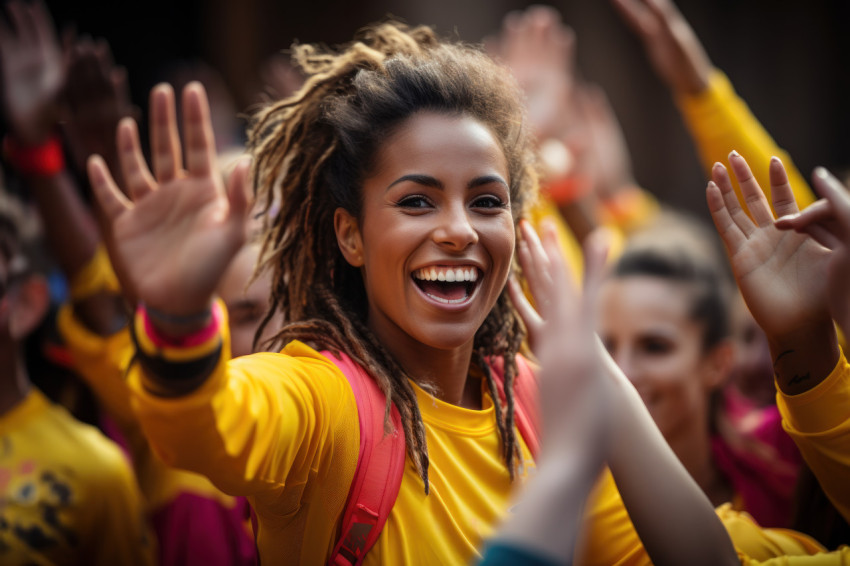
[547, 514]
[719, 121]
[675, 521]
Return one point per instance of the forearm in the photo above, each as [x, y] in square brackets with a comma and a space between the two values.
[68, 225]
[674, 519]
[804, 358]
[549, 511]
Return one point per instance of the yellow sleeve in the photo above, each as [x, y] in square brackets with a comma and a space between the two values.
[259, 423]
[819, 422]
[719, 121]
[608, 536]
[102, 362]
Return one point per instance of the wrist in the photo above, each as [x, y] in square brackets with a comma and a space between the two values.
[805, 357]
[45, 159]
[180, 330]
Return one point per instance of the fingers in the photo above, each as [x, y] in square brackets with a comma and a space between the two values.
[753, 195]
[165, 140]
[831, 189]
[112, 201]
[732, 236]
[732, 207]
[238, 186]
[22, 22]
[523, 306]
[42, 25]
[139, 180]
[535, 264]
[780, 189]
[826, 220]
[637, 16]
[200, 141]
[596, 247]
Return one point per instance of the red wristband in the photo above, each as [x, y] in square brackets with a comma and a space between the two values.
[567, 189]
[45, 160]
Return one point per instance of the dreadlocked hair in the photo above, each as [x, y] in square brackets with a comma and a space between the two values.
[312, 152]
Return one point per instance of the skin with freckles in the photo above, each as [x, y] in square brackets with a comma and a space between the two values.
[438, 198]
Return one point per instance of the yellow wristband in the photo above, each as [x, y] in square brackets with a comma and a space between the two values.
[96, 276]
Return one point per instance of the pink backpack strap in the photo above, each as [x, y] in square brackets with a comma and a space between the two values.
[380, 466]
[525, 394]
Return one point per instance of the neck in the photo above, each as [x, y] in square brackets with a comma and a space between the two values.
[14, 381]
[445, 373]
[692, 445]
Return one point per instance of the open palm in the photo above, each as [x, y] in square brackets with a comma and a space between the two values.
[176, 234]
[781, 274]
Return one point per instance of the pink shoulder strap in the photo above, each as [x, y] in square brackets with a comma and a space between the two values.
[525, 393]
[380, 466]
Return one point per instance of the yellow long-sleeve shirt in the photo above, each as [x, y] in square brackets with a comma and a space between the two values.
[282, 429]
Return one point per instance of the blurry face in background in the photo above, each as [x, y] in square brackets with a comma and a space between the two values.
[246, 306]
[752, 373]
[645, 324]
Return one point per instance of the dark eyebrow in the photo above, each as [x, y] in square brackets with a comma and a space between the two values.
[486, 180]
[424, 180]
[428, 181]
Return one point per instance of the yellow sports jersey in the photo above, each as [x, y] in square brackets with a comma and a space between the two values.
[67, 495]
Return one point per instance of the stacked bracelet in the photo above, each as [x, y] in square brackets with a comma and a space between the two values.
[190, 341]
[44, 160]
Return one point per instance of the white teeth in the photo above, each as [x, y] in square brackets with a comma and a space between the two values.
[447, 274]
[447, 301]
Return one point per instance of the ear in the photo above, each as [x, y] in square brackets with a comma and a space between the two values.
[28, 306]
[348, 237]
[717, 366]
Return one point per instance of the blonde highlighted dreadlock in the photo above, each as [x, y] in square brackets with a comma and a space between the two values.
[312, 152]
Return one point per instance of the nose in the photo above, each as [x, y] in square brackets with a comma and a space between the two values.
[455, 229]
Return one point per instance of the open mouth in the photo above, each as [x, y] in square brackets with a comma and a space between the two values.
[447, 285]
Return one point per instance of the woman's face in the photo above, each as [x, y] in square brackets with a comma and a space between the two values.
[646, 325]
[435, 239]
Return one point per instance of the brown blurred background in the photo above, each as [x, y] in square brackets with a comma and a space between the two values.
[789, 60]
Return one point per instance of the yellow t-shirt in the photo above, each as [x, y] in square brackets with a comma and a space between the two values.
[67, 495]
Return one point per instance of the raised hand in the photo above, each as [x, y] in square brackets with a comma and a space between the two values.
[96, 97]
[33, 72]
[828, 222]
[176, 234]
[540, 51]
[781, 274]
[671, 44]
[561, 328]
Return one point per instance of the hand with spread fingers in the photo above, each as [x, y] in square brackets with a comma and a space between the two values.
[540, 52]
[828, 222]
[781, 274]
[96, 97]
[561, 327]
[671, 44]
[176, 234]
[33, 72]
